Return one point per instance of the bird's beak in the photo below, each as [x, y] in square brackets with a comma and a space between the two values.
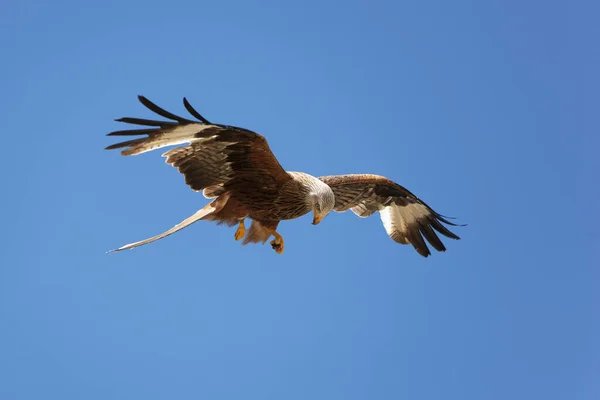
[317, 217]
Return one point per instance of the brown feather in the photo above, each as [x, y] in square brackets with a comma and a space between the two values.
[407, 219]
[222, 159]
[260, 231]
[236, 167]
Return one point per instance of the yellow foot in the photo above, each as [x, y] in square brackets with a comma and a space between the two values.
[277, 243]
[241, 231]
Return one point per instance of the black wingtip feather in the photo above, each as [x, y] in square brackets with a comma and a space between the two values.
[415, 238]
[193, 111]
[125, 144]
[433, 239]
[442, 229]
[146, 122]
[158, 110]
[132, 132]
[444, 219]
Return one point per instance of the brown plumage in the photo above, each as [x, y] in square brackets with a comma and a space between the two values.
[236, 168]
[405, 218]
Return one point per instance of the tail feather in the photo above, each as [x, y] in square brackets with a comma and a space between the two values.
[259, 233]
[200, 214]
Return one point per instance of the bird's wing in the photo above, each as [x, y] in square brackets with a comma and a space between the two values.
[405, 217]
[217, 158]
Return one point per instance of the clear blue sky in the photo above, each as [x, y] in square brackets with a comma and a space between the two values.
[489, 112]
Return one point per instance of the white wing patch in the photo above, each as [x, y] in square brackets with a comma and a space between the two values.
[170, 137]
[397, 219]
[364, 211]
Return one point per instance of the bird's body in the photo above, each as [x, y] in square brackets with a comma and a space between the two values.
[236, 168]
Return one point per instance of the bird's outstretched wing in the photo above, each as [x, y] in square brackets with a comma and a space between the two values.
[216, 159]
[405, 217]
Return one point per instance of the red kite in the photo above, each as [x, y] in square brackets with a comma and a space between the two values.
[235, 167]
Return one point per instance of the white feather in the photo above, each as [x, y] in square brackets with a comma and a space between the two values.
[397, 218]
[183, 224]
[178, 135]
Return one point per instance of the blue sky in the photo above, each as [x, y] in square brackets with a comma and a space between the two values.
[486, 111]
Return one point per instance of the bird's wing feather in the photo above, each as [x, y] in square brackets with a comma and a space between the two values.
[406, 218]
[216, 158]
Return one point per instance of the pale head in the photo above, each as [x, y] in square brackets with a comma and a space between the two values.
[322, 200]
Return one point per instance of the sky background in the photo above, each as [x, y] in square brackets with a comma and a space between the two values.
[489, 112]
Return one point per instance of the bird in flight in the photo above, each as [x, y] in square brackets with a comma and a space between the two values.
[237, 170]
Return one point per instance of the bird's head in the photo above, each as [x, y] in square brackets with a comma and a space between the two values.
[322, 201]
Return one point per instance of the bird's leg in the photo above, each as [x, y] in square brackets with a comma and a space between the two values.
[277, 243]
[241, 231]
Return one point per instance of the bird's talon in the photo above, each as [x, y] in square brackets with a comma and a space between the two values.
[241, 231]
[277, 245]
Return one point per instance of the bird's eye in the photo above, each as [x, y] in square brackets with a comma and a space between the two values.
[318, 207]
